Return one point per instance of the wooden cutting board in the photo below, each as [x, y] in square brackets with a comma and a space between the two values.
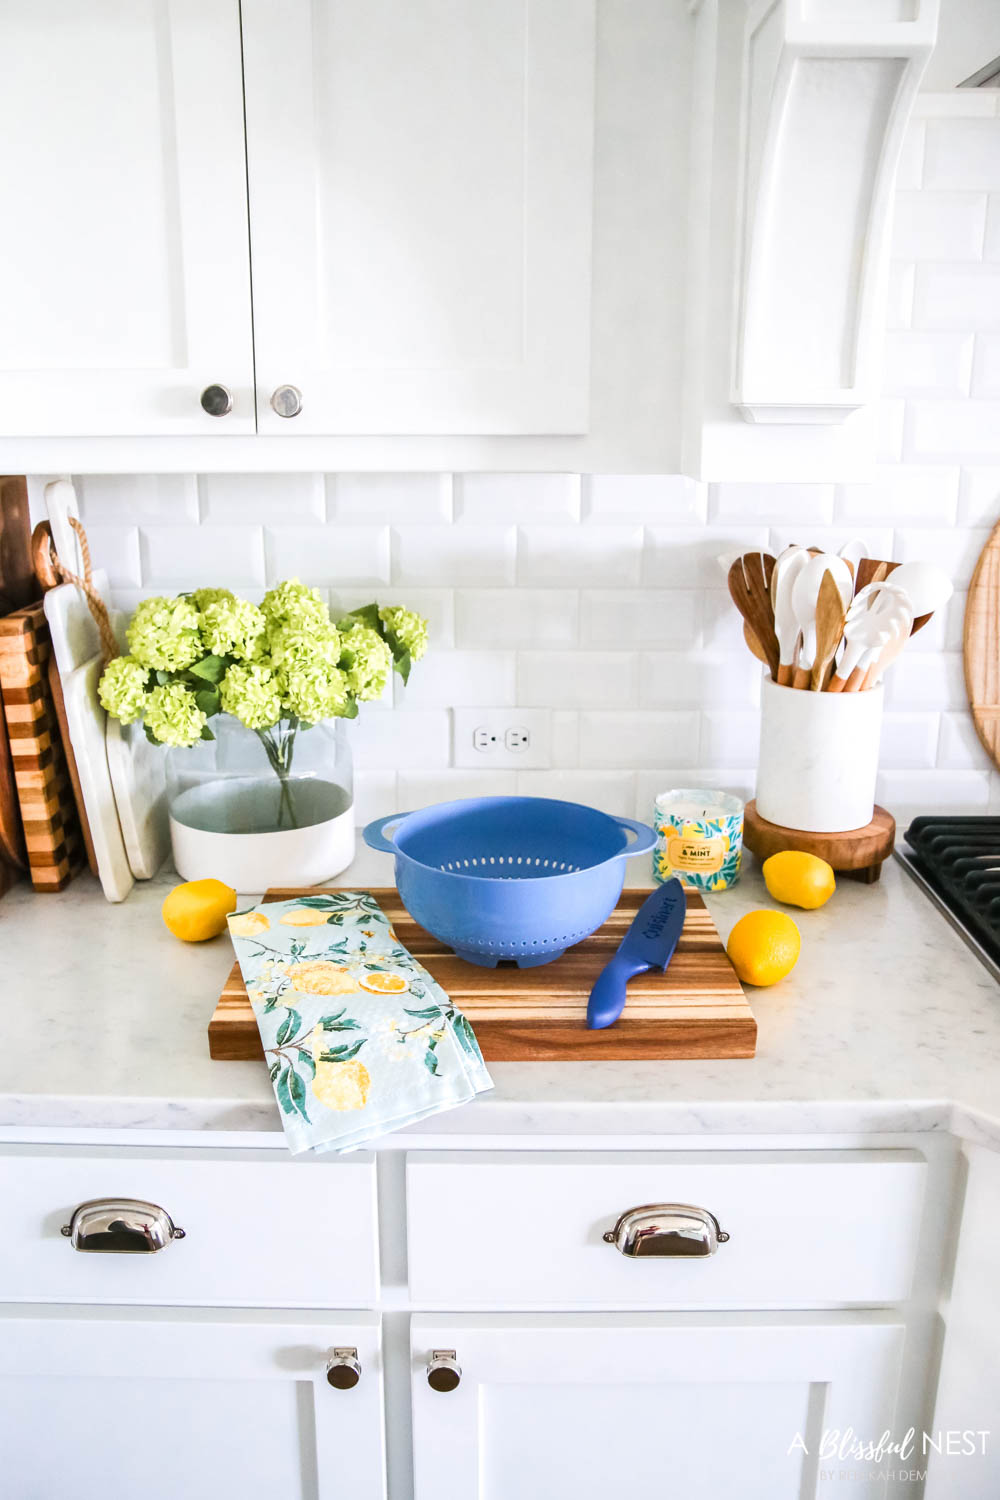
[51, 827]
[696, 1009]
[982, 647]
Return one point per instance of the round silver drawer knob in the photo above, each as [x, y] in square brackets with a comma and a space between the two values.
[443, 1370]
[217, 400]
[343, 1369]
[286, 400]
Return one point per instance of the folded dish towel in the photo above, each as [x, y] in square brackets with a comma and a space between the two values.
[358, 1037]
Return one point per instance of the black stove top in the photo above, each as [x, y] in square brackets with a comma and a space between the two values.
[957, 861]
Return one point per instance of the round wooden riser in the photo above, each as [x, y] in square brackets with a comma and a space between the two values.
[858, 853]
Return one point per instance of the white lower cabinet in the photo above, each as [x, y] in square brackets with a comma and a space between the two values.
[123, 1401]
[695, 1406]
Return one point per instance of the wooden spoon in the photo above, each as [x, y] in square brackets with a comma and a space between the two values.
[753, 644]
[829, 631]
[750, 590]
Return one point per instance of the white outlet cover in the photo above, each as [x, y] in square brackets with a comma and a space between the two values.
[537, 755]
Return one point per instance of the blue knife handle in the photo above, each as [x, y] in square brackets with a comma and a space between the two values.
[607, 998]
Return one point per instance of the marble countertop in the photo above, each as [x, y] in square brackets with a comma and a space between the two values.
[888, 1023]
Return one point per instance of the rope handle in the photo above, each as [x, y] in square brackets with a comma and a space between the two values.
[49, 569]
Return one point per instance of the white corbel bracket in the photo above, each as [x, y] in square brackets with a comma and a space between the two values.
[828, 86]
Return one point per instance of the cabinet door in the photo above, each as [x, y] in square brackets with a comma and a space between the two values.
[162, 1406]
[124, 262]
[420, 207]
[698, 1407]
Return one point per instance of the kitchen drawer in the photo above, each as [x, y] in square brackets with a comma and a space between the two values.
[260, 1229]
[806, 1229]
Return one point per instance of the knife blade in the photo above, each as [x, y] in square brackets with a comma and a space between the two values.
[648, 944]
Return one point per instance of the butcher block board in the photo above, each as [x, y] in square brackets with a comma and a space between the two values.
[982, 646]
[696, 1009]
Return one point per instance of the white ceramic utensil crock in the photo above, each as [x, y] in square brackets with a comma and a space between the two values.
[818, 758]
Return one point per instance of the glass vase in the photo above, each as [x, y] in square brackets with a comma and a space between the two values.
[274, 808]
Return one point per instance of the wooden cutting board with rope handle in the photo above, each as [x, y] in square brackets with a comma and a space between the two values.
[982, 646]
[696, 1009]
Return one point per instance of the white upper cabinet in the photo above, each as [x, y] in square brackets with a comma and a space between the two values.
[124, 266]
[420, 194]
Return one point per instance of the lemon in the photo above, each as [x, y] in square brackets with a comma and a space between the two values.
[799, 879]
[198, 909]
[343, 1085]
[248, 924]
[320, 977]
[304, 916]
[380, 983]
[763, 947]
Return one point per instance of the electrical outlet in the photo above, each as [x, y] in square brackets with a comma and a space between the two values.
[514, 738]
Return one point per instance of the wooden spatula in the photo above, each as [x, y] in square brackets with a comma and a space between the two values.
[750, 590]
[829, 631]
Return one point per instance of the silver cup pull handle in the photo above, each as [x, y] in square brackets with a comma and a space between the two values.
[666, 1230]
[120, 1226]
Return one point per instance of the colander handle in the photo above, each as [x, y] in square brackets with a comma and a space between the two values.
[645, 838]
[375, 836]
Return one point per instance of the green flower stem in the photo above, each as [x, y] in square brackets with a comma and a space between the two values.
[279, 747]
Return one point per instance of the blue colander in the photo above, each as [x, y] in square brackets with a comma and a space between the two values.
[518, 878]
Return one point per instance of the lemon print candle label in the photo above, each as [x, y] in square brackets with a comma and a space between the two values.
[699, 838]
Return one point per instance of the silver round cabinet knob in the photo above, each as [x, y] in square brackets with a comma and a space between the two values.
[443, 1370]
[286, 400]
[343, 1369]
[217, 400]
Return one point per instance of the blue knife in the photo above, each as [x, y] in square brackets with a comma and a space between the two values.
[648, 944]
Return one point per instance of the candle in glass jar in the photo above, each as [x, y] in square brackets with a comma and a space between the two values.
[699, 837]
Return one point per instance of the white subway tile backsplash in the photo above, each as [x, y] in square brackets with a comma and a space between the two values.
[766, 504]
[729, 737]
[639, 617]
[643, 498]
[938, 226]
[460, 679]
[899, 295]
[632, 739]
[581, 556]
[262, 498]
[960, 430]
[910, 171]
[963, 153]
[436, 606]
[991, 244]
[687, 557]
[909, 741]
[930, 682]
[959, 746]
[954, 104]
[375, 795]
[115, 549]
[901, 493]
[889, 429]
[227, 556]
[516, 617]
[421, 788]
[453, 556]
[485, 498]
[328, 555]
[920, 363]
[681, 679]
[391, 498]
[156, 499]
[577, 679]
[907, 793]
[649, 784]
[406, 739]
[986, 365]
[962, 297]
[612, 792]
[878, 539]
[979, 497]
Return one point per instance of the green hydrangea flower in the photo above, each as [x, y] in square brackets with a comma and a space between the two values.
[164, 634]
[252, 695]
[292, 603]
[293, 646]
[233, 627]
[122, 689]
[314, 693]
[202, 598]
[407, 628]
[172, 715]
[368, 662]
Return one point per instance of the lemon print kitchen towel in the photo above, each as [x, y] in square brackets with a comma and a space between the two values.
[358, 1037]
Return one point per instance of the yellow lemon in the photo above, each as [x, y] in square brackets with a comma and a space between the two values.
[799, 879]
[383, 984]
[248, 924]
[304, 916]
[320, 977]
[343, 1085]
[198, 909]
[763, 947]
